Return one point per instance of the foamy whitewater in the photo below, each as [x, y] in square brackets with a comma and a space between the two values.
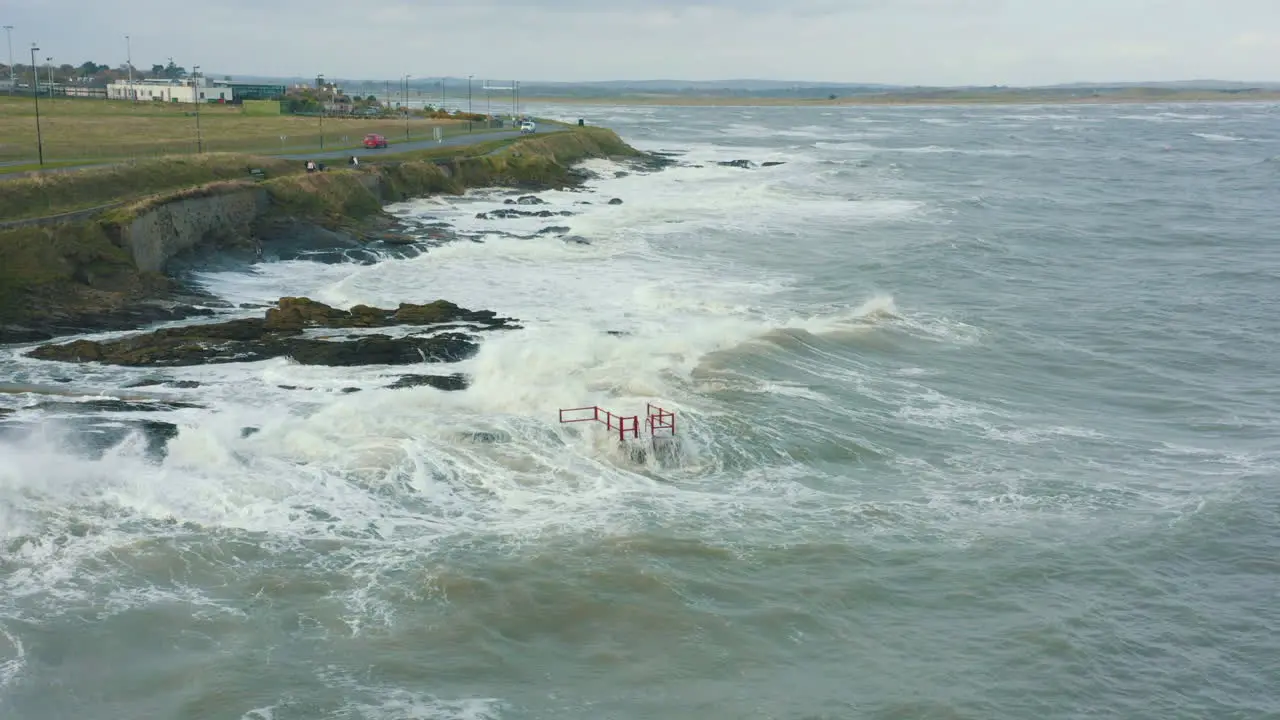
[977, 419]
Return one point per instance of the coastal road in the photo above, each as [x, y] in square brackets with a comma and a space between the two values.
[394, 147]
[361, 152]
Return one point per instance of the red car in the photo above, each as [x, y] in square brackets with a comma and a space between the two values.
[374, 140]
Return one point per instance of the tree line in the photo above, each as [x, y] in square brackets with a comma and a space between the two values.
[92, 74]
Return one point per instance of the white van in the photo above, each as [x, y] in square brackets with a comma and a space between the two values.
[527, 127]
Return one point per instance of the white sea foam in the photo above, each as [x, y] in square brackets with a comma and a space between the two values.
[13, 656]
[1217, 137]
[402, 472]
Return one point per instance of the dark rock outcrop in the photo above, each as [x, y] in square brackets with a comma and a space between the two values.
[772, 163]
[151, 382]
[526, 200]
[507, 213]
[744, 164]
[281, 333]
[615, 201]
[107, 405]
[456, 381]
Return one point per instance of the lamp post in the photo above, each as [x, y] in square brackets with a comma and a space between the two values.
[406, 106]
[48, 63]
[35, 95]
[469, 113]
[488, 106]
[195, 96]
[444, 104]
[13, 79]
[128, 55]
[320, 95]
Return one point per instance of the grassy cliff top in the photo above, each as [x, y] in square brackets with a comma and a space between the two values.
[48, 194]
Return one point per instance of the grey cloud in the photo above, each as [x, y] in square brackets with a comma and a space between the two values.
[898, 41]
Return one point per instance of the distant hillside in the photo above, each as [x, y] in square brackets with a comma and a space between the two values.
[798, 89]
[1172, 85]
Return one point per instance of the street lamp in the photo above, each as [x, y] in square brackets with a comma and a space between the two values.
[469, 102]
[406, 106]
[195, 97]
[128, 50]
[49, 64]
[13, 79]
[35, 95]
[320, 95]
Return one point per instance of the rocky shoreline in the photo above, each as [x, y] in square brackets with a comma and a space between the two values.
[117, 272]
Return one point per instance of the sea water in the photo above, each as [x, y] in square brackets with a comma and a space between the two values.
[976, 416]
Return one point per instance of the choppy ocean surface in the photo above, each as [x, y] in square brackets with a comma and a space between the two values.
[978, 418]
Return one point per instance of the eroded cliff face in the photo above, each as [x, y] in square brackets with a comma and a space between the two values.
[162, 232]
[109, 273]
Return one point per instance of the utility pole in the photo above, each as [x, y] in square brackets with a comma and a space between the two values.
[195, 96]
[406, 106]
[13, 79]
[488, 107]
[444, 105]
[469, 113]
[48, 62]
[35, 95]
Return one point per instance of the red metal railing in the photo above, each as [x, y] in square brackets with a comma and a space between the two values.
[658, 422]
[623, 424]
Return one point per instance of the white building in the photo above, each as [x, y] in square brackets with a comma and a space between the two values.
[164, 90]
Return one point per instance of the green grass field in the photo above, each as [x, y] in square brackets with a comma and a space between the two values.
[50, 194]
[86, 130]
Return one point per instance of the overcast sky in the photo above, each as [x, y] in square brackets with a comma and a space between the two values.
[927, 42]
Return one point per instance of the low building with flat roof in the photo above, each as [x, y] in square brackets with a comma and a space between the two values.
[164, 90]
[254, 91]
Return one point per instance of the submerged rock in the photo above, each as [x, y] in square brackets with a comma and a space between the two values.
[456, 381]
[106, 405]
[615, 201]
[772, 163]
[485, 437]
[158, 434]
[280, 334]
[745, 164]
[576, 240]
[151, 382]
[508, 213]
